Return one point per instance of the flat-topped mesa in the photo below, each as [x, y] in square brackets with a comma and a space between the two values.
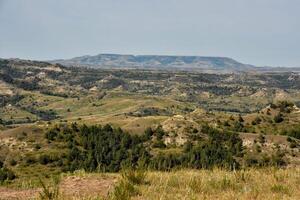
[158, 62]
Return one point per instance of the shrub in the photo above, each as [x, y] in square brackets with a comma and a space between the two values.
[30, 160]
[135, 177]
[279, 188]
[44, 159]
[256, 121]
[159, 144]
[261, 139]
[226, 123]
[12, 162]
[241, 119]
[130, 178]
[6, 174]
[37, 146]
[50, 192]
[123, 191]
[278, 118]
[51, 135]
[294, 132]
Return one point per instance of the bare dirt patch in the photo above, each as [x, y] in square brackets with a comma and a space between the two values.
[71, 187]
[15, 194]
[87, 187]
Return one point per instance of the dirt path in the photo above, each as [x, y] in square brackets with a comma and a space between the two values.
[71, 188]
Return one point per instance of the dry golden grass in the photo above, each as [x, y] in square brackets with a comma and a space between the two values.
[267, 183]
[219, 184]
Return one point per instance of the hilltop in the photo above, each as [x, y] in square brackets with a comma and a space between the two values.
[221, 64]
[161, 62]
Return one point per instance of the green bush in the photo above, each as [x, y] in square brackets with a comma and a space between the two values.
[6, 174]
[50, 191]
[44, 159]
[278, 118]
[159, 144]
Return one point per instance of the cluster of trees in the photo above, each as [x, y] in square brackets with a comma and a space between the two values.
[96, 148]
[4, 100]
[50, 93]
[107, 149]
[46, 115]
[264, 160]
[284, 106]
[221, 149]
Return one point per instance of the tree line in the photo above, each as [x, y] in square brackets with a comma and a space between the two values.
[107, 149]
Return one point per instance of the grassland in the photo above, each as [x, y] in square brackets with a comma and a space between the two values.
[267, 183]
[219, 184]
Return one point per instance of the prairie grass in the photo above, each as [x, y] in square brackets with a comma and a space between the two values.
[50, 191]
[249, 184]
[128, 184]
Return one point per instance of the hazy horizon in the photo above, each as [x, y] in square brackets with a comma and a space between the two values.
[257, 32]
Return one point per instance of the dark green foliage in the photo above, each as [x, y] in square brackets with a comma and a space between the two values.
[159, 133]
[159, 144]
[6, 174]
[51, 135]
[130, 178]
[100, 148]
[107, 149]
[256, 121]
[238, 126]
[220, 150]
[44, 159]
[293, 132]
[285, 106]
[30, 160]
[187, 146]
[277, 159]
[226, 123]
[148, 134]
[265, 159]
[261, 139]
[12, 162]
[37, 146]
[293, 142]
[278, 118]
[241, 119]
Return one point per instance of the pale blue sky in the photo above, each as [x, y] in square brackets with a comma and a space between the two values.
[260, 32]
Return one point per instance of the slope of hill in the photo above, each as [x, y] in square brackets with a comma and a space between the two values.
[158, 62]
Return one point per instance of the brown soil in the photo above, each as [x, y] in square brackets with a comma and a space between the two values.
[71, 188]
[17, 194]
[86, 187]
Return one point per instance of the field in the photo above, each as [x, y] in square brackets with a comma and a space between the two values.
[268, 183]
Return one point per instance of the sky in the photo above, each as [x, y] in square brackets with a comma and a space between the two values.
[258, 32]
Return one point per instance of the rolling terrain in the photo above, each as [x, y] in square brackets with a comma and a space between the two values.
[173, 119]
